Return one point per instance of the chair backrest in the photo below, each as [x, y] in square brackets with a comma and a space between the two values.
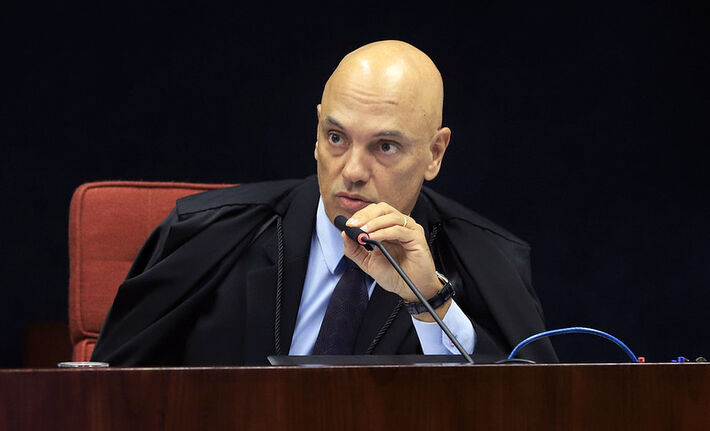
[108, 223]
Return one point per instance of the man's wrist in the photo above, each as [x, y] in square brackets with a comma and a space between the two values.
[439, 300]
[440, 311]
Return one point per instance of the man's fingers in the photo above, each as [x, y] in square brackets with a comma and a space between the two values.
[379, 216]
[403, 235]
[370, 212]
[389, 220]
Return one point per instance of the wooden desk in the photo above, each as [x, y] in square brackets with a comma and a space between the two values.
[488, 397]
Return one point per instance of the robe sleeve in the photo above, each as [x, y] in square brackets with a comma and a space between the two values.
[501, 269]
[171, 281]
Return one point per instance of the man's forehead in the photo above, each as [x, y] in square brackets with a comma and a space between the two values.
[401, 104]
[355, 88]
[389, 104]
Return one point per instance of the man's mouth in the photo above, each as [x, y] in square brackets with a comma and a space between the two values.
[352, 202]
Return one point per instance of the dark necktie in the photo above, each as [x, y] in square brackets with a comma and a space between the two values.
[344, 313]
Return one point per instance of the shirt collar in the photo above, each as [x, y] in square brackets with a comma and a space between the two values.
[331, 243]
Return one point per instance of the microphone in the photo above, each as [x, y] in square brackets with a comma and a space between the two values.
[361, 237]
[355, 233]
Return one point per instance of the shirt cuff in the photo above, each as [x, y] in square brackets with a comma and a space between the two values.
[435, 342]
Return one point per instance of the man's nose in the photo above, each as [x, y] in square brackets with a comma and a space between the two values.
[357, 165]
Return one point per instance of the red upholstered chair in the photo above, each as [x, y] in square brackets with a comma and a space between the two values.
[108, 223]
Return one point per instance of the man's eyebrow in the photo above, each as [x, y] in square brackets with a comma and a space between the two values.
[332, 121]
[392, 133]
[386, 133]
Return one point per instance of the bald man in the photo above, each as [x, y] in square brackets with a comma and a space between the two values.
[235, 275]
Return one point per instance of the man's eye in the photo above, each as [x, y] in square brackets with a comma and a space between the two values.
[388, 147]
[335, 138]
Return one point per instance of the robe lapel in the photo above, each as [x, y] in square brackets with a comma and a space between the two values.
[298, 224]
[381, 305]
[298, 211]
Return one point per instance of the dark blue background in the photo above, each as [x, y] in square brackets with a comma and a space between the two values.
[579, 126]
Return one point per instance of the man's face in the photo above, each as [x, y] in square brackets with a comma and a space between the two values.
[373, 146]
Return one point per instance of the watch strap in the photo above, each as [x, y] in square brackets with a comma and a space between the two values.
[447, 292]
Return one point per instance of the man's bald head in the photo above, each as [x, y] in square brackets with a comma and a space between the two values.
[397, 71]
[379, 129]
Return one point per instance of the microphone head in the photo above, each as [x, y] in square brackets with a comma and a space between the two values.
[340, 221]
[354, 233]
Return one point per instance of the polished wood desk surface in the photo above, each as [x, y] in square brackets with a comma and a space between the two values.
[546, 397]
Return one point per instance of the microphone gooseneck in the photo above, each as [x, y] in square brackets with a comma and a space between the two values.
[361, 237]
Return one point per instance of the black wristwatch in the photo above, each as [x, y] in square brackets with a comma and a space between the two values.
[447, 292]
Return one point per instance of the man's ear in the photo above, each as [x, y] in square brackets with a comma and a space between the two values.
[315, 150]
[437, 149]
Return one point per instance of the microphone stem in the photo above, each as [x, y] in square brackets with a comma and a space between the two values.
[421, 298]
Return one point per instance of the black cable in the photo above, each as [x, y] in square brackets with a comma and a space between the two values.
[515, 361]
[279, 286]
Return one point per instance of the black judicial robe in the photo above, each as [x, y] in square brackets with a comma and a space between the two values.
[203, 289]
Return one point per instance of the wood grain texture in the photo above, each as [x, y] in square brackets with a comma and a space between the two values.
[521, 397]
